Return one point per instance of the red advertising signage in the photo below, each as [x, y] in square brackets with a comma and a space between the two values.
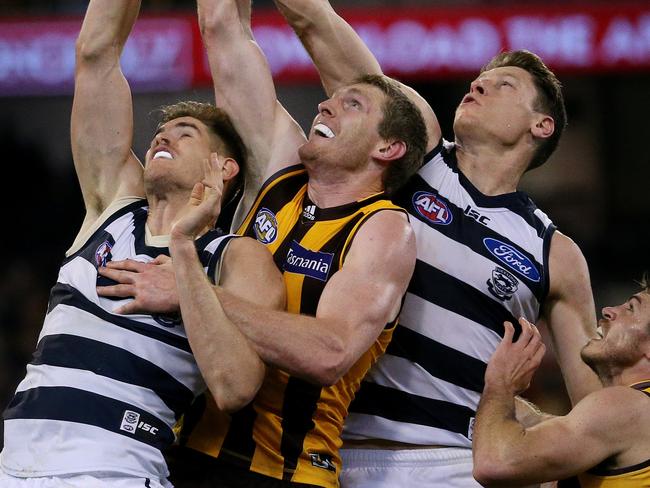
[165, 54]
[38, 57]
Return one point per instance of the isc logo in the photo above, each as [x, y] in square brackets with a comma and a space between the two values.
[472, 213]
[266, 226]
[131, 422]
[432, 208]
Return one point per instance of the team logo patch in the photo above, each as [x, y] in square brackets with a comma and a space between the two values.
[502, 284]
[470, 428]
[322, 461]
[130, 421]
[512, 258]
[266, 226]
[432, 208]
[309, 263]
[103, 253]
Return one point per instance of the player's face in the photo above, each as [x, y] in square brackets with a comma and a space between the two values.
[345, 131]
[499, 105]
[176, 152]
[623, 333]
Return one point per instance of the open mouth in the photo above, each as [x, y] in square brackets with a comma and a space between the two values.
[162, 155]
[323, 131]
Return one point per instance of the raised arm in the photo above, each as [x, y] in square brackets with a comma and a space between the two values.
[339, 54]
[244, 89]
[356, 304]
[570, 315]
[102, 114]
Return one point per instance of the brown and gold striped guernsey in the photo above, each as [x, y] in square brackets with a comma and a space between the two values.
[637, 476]
[292, 429]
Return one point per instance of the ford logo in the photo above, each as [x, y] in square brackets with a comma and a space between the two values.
[432, 208]
[512, 258]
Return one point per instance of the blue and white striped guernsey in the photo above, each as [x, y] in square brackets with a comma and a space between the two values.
[103, 391]
[480, 261]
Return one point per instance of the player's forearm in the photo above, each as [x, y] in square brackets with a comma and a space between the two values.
[231, 368]
[298, 344]
[335, 48]
[106, 27]
[498, 437]
[243, 84]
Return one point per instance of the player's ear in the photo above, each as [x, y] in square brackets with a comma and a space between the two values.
[389, 151]
[543, 126]
[230, 169]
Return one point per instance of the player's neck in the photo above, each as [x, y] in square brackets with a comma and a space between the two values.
[332, 190]
[163, 212]
[493, 171]
[638, 373]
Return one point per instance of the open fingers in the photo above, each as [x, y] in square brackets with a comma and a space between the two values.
[116, 291]
[528, 331]
[509, 332]
[129, 308]
[117, 275]
[126, 265]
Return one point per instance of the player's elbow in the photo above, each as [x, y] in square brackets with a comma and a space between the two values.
[305, 16]
[219, 20]
[232, 392]
[491, 472]
[91, 50]
[334, 363]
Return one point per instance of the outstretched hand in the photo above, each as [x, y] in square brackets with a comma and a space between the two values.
[204, 204]
[151, 285]
[513, 364]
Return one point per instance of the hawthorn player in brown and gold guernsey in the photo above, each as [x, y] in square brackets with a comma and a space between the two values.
[292, 429]
[346, 252]
[606, 436]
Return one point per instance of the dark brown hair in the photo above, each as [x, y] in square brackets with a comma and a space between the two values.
[550, 100]
[219, 124]
[402, 121]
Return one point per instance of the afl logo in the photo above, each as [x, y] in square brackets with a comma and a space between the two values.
[103, 253]
[266, 226]
[432, 208]
[512, 258]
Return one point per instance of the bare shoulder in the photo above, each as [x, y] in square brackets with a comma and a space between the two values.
[249, 272]
[246, 248]
[567, 267]
[246, 257]
[385, 238]
[617, 410]
[388, 226]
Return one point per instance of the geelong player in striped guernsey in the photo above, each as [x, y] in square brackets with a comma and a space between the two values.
[605, 439]
[486, 254]
[104, 391]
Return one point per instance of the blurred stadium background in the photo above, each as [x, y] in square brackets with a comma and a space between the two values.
[595, 187]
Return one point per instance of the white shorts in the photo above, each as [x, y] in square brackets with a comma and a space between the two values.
[81, 481]
[448, 467]
[444, 467]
